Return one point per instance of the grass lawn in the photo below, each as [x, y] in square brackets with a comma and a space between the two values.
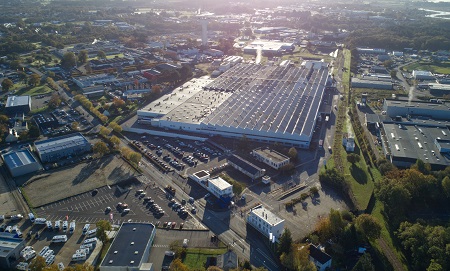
[103, 251]
[386, 234]
[39, 110]
[196, 257]
[443, 67]
[37, 90]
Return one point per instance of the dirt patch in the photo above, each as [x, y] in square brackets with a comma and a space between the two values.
[62, 183]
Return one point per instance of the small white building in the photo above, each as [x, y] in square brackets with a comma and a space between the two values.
[216, 186]
[270, 157]
[423, 75]
[266, 222]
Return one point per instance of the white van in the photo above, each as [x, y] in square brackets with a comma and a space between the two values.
[49, 224]
[61, 267]
[82, 251]
[40, 220]
[8, 229]
[57, 225]
[185, 242]
[30, 255]
[72, 227]
[22, 266]
[25, 250]
[50, 260]
[86, 229]
[59, 239]
[48, 254]
[78, 257]
[91, 233]
[43, 251]
[65, 225]
[89, 246]
[126, 210]
[90, 240]
[31, 217]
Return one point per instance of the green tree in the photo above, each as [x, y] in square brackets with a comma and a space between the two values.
[101, 55]
[364, 263]
[51, 74]
[285, 242]
[337, 224]
[446, 186]
[7, 84]
[292, 153]
[116, 127]
[421, 166]
[102, 227]
[353, 158]
[68, 60]
[100, 148]
[434, 266]
[369, 226]
[37, 264]
[33, 131]
[82, 56]
[15, 64]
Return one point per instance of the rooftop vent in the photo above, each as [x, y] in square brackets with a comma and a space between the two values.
[110, 261]
[115, 252]
[132, 243]
[136, 252]
[131, 262]
[134, 229]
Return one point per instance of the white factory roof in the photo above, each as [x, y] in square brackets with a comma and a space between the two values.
[267, 216]
[17, 101]
[220, 183]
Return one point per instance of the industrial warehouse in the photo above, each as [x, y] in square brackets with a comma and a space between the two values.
[417, 130]
[264, 103]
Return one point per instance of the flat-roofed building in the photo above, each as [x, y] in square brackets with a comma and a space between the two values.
[10, 248]
[54, 149]
[371, 83]
[270, 157]
[438, 111]
[406, 142]
[21, 162]
[17, 105]
[220, 188]
[264, 103]
[130, 248]
[266, 222]
[246, 167]
[423, 75]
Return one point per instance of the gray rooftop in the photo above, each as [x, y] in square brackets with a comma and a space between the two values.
[17, 101]
[267, 216]
[18, 158]
[60, 142]
[274, 156]
[8, 243]
[417, 142]
[131, 238]
[269, 98]
[417, 104]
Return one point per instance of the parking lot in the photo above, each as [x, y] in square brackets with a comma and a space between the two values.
[91, 207]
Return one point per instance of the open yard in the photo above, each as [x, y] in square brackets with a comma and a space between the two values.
[196, 257]
[37, 90]
[442, 67]
[75, 179]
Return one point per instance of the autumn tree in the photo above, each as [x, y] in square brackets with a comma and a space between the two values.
[75, 125]
[34, 79]
[101, 55]
[55, 101]
[100, 148]
[37, 264]
[446, 186]
[104, 131]
[115, 140]
[135, 157]
[7, 84]
[116, 127]
[364, 263]
[292, 153]
[178, 265]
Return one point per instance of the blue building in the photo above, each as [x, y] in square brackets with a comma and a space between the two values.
[21, 162]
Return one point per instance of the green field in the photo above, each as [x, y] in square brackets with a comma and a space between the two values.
[196, 257]
[442, 68]
[37, 90]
